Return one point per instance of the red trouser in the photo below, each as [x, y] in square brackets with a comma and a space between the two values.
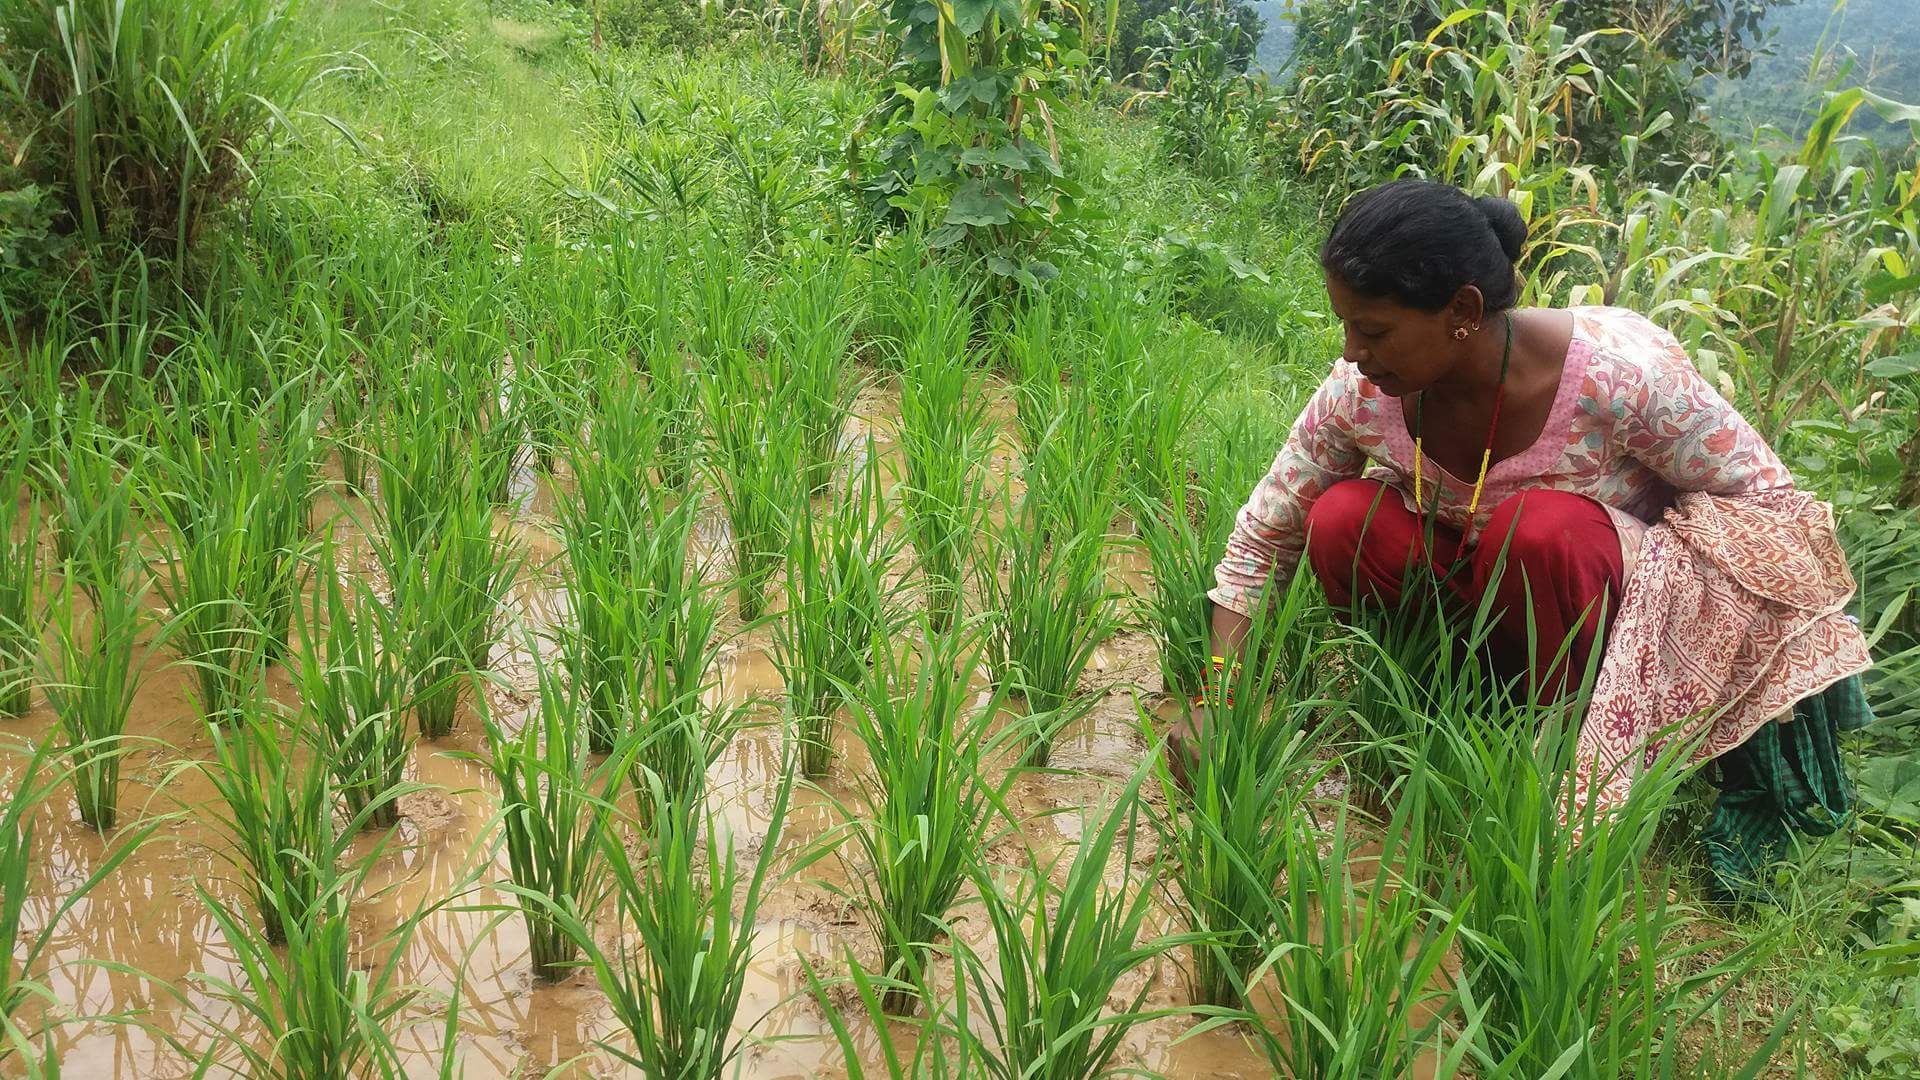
[1562, 563]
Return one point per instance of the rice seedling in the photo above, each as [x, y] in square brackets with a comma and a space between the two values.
[1247, 767]
[1182, 525]
[754, 458]
[94, 494]
[1061, 953]
[626, 558]
[350, 668]
[676, 971]
[929, 801]
[231, 537]
[316, 1007]
[20, 583]
[1054, 606]
[277, 792]
[90, 675]
[556, 812]
[837, 606]
[1358, 954]
[31, 780]
[447, 598]
[653, 295]
[1569, 937]
[814, 311]
[945, 438]
[679, 733]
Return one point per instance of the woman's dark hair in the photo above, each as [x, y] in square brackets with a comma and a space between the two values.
[1417, 243]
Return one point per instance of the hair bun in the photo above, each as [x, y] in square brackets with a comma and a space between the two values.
[1507, 224]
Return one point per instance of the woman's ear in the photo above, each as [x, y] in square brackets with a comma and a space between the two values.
[1467, 309]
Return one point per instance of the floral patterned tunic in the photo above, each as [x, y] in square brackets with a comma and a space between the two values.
[1633, 424]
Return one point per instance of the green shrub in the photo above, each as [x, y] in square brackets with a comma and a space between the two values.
[142, 113]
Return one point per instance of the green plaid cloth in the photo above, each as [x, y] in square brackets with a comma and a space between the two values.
[1788, 777]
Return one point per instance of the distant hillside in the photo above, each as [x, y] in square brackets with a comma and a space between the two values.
[1875, 43]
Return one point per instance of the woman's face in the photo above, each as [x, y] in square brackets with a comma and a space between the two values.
[1399, 349]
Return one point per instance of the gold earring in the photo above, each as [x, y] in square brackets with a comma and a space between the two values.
[1459, 333]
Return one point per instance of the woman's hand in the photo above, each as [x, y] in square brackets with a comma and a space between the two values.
[1183, 743]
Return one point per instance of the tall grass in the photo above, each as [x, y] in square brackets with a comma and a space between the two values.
[837, 606]
[1359, 950]
[91, 675]
[1182, 523]
[556, 812]
[278, 791]
[930, 800]
[350, 670]
[945, 438]
[20, 583]
[1226, 827]
[1569, 935]
[32, 778]
[145, 109]
[316, 1007]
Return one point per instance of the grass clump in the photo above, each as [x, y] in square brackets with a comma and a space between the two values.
[91, 676]
[929, 801]
[1053, 603]
[1060, 955]
[678, 968]
[232, 541]
[814, 309]
[755, 457]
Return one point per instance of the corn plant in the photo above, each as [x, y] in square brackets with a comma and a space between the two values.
[945, 438]
[837, 603]
[1061, 954]
[28, 785]
[351, 673]
[91, 677]
[556, 811]
[277, 794]
[20, 584]
[676, 971]
[1247, 768]
[930, 799]
[1052, 603]
[754, 457]
[814, 312]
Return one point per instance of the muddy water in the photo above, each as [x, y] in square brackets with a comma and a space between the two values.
[148, 916]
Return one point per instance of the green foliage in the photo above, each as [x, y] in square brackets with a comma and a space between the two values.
[1196, 72]
[968, 140]
[21, 588]
[143, 113]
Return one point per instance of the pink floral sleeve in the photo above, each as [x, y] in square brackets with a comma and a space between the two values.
[1674, 422]
[1270, 532]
